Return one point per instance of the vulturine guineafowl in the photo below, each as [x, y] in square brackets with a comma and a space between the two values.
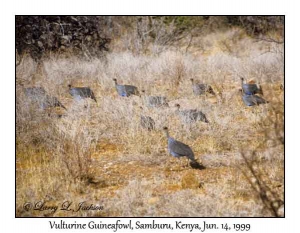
[126, 90]
[147, 122]
[201, 88]
[35, 91]
[80, 93]
[251, 88]
[156, 101]
[191, 115]
[39, 95]
[178, 149]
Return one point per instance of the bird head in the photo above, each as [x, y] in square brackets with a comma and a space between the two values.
[192, 80]
[166, 130]
[177, 106]
[282, 87]
[242, 81]
[69, 85]
[115, 80]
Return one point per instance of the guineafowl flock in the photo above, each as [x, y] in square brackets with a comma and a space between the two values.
[249, 93]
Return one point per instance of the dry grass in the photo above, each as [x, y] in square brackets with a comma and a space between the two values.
[100, 154]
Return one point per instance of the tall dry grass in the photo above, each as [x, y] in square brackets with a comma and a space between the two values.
[100, 153]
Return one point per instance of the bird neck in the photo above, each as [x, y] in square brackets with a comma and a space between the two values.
[167, 134]
[178, 111]
[242, 81]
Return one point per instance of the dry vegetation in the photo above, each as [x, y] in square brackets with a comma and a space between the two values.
[101, 155]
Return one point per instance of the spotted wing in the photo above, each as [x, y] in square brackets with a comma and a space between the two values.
[181, 149]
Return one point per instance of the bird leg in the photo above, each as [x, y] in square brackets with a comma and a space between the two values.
[180, 162]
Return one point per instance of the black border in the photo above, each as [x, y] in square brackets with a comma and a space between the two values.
[142, 217]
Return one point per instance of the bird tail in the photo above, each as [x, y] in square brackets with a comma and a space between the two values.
[93, 97]
[205, 120]
[138, 93]
[59, 104]
[260, 90]
[211, 91]
[196, 165]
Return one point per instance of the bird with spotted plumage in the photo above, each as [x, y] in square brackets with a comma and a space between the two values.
[201, 88]
[146, 121]
[178, 149]
[126, 90]
[252, 100]
[250, 88]
[191, 115]
[40, 96]
[35, 91]
[79, 93]
[155, 101]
